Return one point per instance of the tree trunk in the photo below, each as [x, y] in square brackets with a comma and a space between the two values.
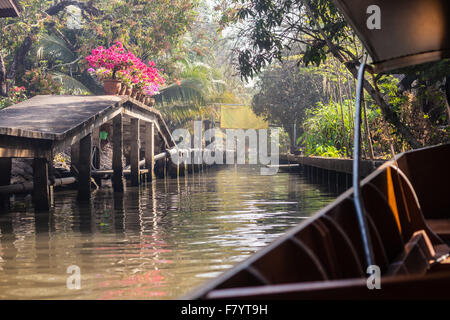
[17, 68]
[292, 143]
[3, 89]
[368, 135]
[344, 129]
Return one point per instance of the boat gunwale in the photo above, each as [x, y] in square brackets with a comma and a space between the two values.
[203, 290]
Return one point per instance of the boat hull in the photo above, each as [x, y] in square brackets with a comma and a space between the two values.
[324, 257]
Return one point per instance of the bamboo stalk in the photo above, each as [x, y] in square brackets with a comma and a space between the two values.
[367, 131]
[344, 133]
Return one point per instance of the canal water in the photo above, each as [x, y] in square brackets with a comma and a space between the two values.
[158, 241]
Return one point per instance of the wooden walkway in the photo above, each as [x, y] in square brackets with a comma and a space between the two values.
[334, 164]
[45, 125]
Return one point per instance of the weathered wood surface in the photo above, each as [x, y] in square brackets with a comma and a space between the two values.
[64, 120]
[117, 179]
[41, 188]
[9, 8]
[84, 168]
[50, 117]
[5, 179]
[334, 164]
[134, 156]
[150, 150]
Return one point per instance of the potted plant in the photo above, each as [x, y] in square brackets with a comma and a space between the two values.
[108, 62]
[118, 68]
[124, 77]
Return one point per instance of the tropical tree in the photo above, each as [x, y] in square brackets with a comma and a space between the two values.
[52, 37]
[285, 92]
[268, 28]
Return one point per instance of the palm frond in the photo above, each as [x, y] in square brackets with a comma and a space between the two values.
[189, 92]
[71, 85]
[53, 48]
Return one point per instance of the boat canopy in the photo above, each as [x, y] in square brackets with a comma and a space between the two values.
[9, 8]
[400, 33]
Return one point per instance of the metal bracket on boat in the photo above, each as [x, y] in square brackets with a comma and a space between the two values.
[357, 199]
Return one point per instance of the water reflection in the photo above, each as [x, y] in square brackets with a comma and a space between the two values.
[156, 241]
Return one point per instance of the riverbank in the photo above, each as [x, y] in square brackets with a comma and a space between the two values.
[332, 164]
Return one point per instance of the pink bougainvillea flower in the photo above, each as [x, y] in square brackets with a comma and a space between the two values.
[117, 62]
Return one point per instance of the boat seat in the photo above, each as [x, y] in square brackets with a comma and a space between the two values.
[420, 256]
[441, 227]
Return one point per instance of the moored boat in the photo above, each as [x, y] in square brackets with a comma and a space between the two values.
[397, 218]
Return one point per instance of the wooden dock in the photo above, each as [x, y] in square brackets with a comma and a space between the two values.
[42, 126]
[344, 166]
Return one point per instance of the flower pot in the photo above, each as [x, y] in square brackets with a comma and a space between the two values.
[112, 86]
[150, 101]
[123, 90]
[133, 93]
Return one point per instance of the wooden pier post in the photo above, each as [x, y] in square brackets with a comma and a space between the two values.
[96, 143]
[51, 176]
[150, 150]
[96, 159]
[117, 164]
[41, 190]
[5, 179]
[74, 157]
[134, 152]
[84, 177]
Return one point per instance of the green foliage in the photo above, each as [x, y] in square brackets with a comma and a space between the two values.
[190, 98]
[323, 134]
[53, 37]
[15, 95]
[70, 85]
[285, 92]
[388, 86]
[273, 27]
[54, 50]
[40, 82]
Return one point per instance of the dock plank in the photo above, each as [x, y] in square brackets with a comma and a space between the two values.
[47, 117]
[53, 122]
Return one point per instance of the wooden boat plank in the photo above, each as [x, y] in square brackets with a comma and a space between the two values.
[378, 209]
[434, 286]
[441, 227]
[346, 257]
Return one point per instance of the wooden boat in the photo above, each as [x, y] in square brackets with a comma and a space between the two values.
[324, 257]
[406, 201]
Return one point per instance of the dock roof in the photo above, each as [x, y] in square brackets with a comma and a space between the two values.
[9, 8]
[62, 120]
